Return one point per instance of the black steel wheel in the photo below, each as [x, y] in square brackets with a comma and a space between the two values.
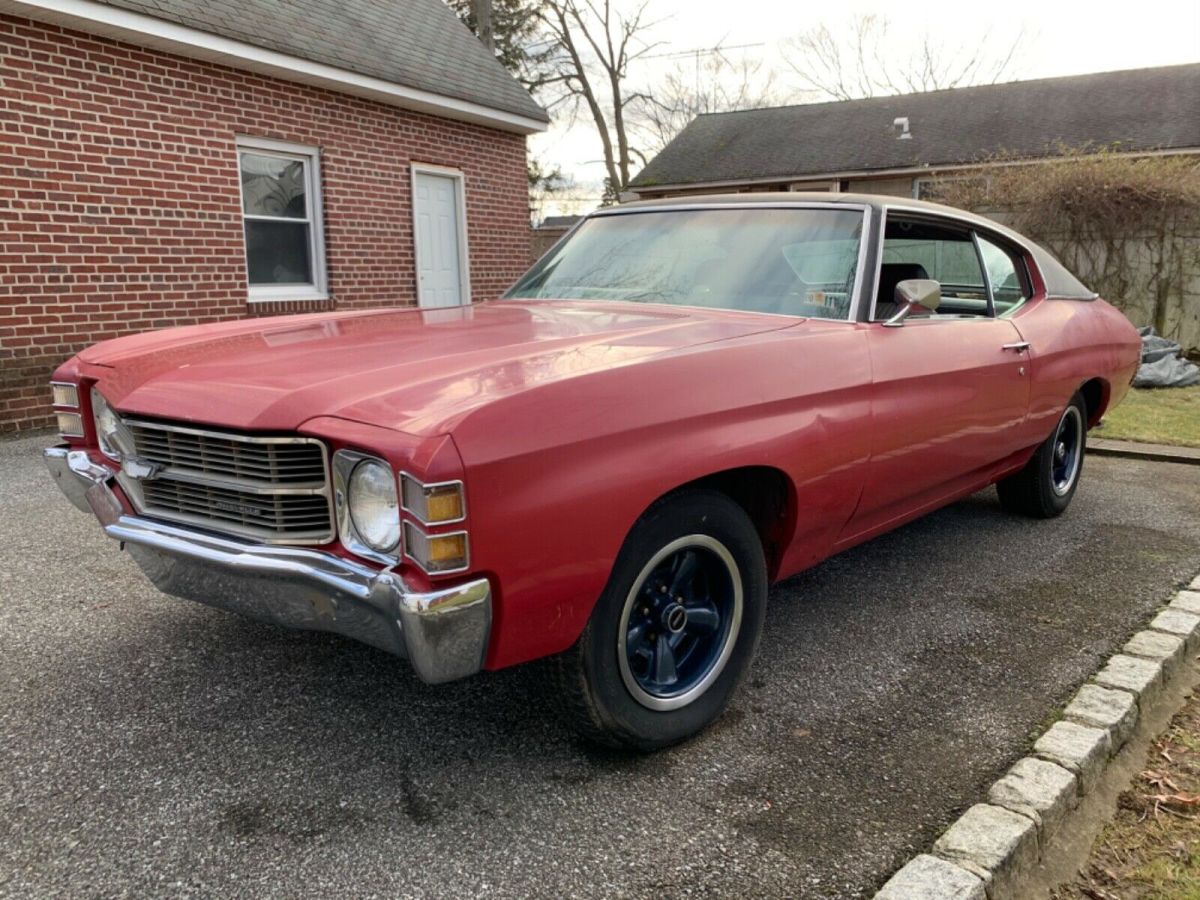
[675, 630]
[1044, 488]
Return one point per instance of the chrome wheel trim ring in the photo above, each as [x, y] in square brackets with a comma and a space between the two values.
[666, 704]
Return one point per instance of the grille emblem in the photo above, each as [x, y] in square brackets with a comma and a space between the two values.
[140, 469]
[242, 509]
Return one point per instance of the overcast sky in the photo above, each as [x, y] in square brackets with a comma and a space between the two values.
[1055, 38]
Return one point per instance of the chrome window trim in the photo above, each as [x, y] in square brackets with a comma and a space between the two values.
[68, 384]
[133, 489]
[749, 204]
[344, 463]
[879, 239]
[1018, 266]
[864, 237]
[867, 238]
[462, 492]
[987, 276]
[409, 523]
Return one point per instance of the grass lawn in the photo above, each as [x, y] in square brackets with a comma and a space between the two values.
[1151, 850]
[1157, 416]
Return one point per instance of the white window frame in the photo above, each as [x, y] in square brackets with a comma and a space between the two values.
[464, 255]
[311, 157]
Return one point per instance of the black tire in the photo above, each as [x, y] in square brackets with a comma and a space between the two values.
[1044, 488]
[603, 675]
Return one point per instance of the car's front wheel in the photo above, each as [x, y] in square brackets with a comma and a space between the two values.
[1044, 488]
[675, 630]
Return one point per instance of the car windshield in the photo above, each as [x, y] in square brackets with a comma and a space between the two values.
[790, 261]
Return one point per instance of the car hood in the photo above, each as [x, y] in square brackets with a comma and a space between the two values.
[409, 369]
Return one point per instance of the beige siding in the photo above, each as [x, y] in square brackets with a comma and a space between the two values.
[891, 187]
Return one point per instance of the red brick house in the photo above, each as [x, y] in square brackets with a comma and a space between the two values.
[167, 162]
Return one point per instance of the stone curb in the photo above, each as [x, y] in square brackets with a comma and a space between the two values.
[1138, 450]
[985, 853]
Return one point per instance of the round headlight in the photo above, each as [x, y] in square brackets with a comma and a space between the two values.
[109, 431]
[374, 509]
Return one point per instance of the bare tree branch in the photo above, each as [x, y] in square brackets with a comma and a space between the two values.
[598, 42]
[866, 64]
[681, 95]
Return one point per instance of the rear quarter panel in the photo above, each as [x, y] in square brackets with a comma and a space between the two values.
[1072, 342]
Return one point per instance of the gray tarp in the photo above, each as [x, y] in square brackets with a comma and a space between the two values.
[1161, 364]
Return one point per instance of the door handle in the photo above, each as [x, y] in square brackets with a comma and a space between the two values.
[1016, 346]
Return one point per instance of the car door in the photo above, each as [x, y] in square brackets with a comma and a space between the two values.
[949, 391]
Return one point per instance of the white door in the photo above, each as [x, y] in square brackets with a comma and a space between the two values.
[439, 250]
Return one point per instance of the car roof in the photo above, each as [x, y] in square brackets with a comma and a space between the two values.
[1059, 281]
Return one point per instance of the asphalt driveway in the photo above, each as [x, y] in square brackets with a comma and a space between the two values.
[153, 746]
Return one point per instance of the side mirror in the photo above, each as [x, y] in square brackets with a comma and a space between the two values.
[912, 293]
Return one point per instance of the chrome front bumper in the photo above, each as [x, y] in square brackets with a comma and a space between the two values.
[443, 633]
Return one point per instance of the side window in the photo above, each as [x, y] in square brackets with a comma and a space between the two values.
[919, 249]
[1007, 290]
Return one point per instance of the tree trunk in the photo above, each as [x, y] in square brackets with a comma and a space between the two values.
[483, 22]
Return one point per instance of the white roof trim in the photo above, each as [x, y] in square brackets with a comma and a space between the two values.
[146, 31]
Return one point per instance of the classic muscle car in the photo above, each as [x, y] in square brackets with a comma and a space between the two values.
[678, 405]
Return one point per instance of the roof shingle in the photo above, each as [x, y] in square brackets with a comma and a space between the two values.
[1140, 109]
[415, 43]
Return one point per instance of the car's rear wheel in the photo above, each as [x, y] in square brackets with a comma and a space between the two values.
[675, 630]
[1044, 488]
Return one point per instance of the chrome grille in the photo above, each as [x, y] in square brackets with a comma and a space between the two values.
[229, 457]
[272, 489]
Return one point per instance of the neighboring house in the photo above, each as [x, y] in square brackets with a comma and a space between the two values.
[897, 145]
[167, 162]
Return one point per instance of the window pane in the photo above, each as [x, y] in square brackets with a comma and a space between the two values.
[952, 262]
[273, 186]
[1002, 270]
[277, 252]
[797, 262]
[926, 250]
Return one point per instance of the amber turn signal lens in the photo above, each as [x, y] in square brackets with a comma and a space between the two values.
[448, 551]
[444, 504]
[436, 552]
[434, 504]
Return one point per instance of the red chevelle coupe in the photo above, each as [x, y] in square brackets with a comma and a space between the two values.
[681, 403]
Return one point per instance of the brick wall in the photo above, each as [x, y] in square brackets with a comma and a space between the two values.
[120, 207]
[542, 239]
